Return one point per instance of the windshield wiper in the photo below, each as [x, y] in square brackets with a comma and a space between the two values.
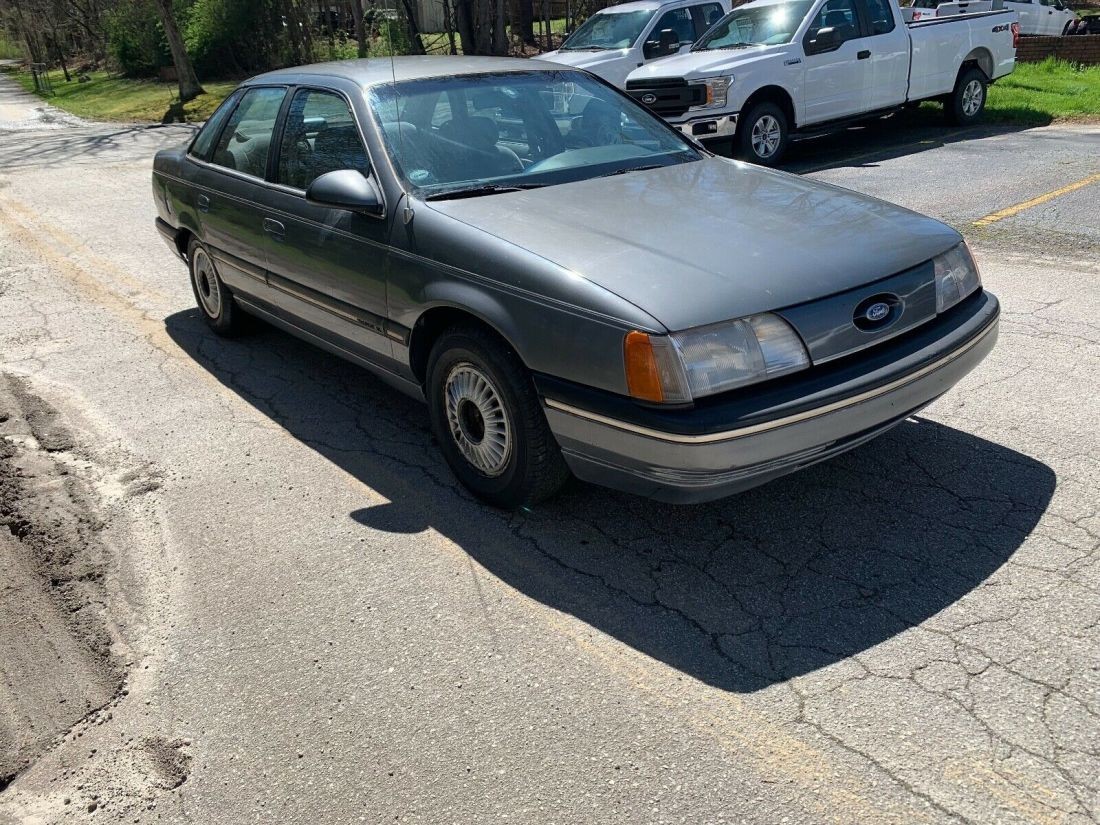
[587, 48]
[730, 46]
[478, 191]
[634, 169]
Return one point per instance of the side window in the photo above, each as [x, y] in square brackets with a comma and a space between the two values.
[841, 17]
[204, 140]
[679, 20]
[320, 136]
[881, 17]
[246, 140]
[709, 14]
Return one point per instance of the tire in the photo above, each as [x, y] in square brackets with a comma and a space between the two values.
[966, 103]
[477, 386]
[216, 304]
[762, 134]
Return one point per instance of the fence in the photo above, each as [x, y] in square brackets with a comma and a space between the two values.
[1076, 49]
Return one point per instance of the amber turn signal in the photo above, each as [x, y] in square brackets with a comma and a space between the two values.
[643, 379]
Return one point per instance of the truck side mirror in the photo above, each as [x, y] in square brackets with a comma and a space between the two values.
[825, 40]
[669, 42]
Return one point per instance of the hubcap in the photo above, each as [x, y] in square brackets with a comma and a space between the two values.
[477, 420]
[206, 284]
[766, 133]
[972, 98]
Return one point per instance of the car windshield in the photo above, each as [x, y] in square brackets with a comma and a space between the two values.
[766, 25]
[479, 134]
[609, 30]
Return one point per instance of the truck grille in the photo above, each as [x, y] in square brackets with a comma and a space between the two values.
[672, 96]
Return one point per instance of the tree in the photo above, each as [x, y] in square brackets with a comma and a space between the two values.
[185, 72]
[360, 28]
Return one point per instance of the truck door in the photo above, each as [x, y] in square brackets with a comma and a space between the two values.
[888, 43]
[837, 64]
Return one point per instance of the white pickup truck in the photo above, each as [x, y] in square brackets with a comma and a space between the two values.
[616, 40]
[1050, 17]
[773, 68]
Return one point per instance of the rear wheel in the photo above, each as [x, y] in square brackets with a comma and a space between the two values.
[216, 303]
[967, 101]
[488, 421]
[762, 134]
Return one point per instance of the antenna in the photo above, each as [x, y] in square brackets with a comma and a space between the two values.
[408, 212]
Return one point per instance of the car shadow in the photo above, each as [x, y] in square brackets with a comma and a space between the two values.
[802, 573]
[908, 132]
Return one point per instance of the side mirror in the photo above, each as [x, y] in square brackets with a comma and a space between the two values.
[346, 189]
[826, 39]
[669, 42]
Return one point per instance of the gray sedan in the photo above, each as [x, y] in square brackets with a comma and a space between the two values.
[570, 284]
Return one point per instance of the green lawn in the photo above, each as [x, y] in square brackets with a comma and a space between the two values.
[1043, 92]
[1036, 93]
[105, 97]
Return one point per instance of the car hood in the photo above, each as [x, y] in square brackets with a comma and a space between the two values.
[707, 241]
[580, 59]
[694, 65]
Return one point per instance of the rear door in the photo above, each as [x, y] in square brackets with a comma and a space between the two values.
[327, 265]
[229, 187]
[888, 43]
[837, 71]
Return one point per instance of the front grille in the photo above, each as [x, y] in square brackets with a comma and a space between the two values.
[673, 96]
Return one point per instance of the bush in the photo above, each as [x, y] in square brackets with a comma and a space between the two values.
[135, 39]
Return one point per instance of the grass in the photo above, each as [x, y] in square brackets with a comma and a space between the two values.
[105, 97]
[9, 48]
[1034, 94]
[1039, 93]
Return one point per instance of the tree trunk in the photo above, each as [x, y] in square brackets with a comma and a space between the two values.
[500, 35]
[185, 72]
[449, 25]
[526, 28]
[360, 30]
[464, 11]
[416, 45]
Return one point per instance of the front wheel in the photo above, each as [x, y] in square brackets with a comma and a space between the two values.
[762, 134]
[488, 421]
[967, 101]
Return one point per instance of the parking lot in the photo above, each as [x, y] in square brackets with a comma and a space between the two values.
[314, 623]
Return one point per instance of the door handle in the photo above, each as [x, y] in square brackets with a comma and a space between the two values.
[203, 203]
[863, 55]
[274, 228]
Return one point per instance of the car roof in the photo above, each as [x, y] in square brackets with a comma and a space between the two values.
[640, 5]
[376, 70]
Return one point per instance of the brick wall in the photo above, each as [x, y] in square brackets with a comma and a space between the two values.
[1076, 49]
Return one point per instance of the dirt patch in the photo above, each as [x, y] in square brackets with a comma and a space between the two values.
[57, 664]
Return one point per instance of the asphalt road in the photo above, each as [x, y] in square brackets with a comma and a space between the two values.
[320, 627]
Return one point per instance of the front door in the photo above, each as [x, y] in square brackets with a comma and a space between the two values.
[327, 265]
[837, 71]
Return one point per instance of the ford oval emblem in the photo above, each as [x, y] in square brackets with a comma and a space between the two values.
[649, 100]
[877, 312]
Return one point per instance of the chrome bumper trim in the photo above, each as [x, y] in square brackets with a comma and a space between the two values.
[753, 429]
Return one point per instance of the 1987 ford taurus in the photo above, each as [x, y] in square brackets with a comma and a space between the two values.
[570, 284]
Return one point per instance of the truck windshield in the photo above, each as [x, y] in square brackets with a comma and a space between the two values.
[753, 25]
[609, 30]
[481, 134]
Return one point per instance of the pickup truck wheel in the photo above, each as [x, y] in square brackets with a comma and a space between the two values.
[762, 134]
[215, 301]
[967, 101]
[487, 419]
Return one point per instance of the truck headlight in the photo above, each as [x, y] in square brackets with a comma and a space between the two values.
[676, 368]
[956, 276]
[716, 88]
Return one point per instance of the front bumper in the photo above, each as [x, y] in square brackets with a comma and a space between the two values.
[708, 127]
[693, 456]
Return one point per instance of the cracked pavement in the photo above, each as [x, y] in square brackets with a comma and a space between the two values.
[337, 633]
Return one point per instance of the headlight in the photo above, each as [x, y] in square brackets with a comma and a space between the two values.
[707, 360]
[956, 276]
[716, 88]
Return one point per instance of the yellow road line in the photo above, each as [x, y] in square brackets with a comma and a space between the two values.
[1049, 196]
